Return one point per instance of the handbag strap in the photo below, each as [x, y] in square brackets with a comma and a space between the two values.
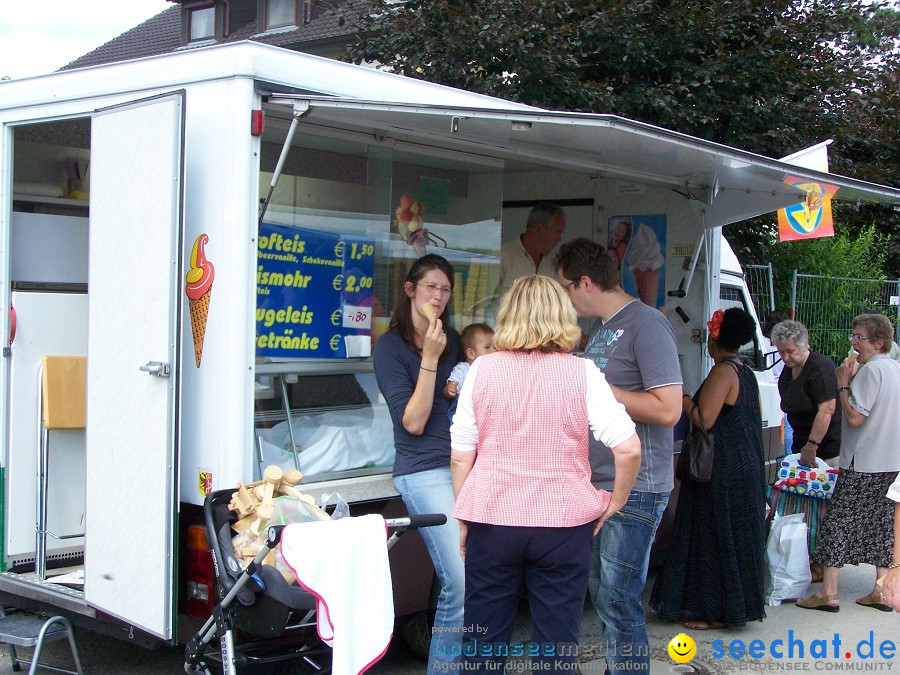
[699, 418]
[734, 363]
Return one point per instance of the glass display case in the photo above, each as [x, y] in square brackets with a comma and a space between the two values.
[345, 222]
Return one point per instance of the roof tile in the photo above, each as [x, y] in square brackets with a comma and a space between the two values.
[161, 34]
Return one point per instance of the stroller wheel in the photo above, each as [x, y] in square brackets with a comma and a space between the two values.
[416, 628]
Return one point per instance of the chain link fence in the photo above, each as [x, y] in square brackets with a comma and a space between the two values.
[762, 289]
[827, 306]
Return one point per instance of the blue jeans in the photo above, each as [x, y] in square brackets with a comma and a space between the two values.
[620, 558]
[432, 492]
[788, 437]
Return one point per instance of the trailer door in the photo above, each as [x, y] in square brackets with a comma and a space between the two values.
[136, 173]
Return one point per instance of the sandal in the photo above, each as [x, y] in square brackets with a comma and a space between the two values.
[873, 600]
[819, 602]
[703, 625]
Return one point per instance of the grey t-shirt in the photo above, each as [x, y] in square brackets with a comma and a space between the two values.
[636, 351]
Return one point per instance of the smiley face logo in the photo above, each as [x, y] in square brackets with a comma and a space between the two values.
[682, 648]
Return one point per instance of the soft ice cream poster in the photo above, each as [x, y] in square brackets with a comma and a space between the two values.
[638, 244]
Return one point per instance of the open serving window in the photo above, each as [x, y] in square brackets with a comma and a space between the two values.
[391, 178]
[343, 224]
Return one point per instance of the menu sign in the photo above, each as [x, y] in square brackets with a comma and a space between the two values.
[313, 293]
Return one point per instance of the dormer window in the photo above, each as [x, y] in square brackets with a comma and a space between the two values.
[280, 13]
[202, 23]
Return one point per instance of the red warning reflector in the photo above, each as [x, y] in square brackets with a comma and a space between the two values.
[257, 122]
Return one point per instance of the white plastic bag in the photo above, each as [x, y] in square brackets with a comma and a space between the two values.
[786, 550]
[341, 508]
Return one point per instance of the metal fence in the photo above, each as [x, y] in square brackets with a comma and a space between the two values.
[762, 289]
[827, 305]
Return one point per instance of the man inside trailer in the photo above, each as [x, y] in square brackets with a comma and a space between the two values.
[531, 252]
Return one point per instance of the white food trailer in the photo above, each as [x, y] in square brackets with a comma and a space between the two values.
[218, 340]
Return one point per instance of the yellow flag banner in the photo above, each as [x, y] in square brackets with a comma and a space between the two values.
[809, 218]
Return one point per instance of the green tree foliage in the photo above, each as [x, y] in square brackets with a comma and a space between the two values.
[829, 303]
[769, 76]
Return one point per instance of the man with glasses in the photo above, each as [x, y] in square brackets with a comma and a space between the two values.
[530, 252]
[634, 345]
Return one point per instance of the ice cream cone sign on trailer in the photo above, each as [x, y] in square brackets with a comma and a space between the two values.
[198, 287]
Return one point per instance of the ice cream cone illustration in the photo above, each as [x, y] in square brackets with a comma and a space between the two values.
[647, 282]
[198, 288]
[646, 260]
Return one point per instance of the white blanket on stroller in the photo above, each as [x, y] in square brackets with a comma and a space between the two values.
[344, 563]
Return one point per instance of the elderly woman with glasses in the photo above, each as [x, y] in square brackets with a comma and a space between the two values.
[412, 363]
[858, 527]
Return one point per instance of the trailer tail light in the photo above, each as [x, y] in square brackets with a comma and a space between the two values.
[200, 575]
[257, 122]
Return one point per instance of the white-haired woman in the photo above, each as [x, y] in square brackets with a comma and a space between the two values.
[808, 391]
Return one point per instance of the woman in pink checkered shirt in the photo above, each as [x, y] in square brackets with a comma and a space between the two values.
[520, 469]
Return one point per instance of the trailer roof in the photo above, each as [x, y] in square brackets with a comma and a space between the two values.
[274, 68]
[727, 183]
[730, 184]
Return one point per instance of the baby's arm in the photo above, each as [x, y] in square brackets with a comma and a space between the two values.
[451, 389]
[454, 382]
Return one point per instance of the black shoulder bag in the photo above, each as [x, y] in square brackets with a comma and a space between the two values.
[697, 449]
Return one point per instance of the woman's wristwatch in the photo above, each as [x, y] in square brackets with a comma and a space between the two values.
[812, 442]
[840, 389]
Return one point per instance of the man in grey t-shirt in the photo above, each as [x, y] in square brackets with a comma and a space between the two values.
[634, 345]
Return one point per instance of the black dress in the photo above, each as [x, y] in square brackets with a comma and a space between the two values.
[716, 566]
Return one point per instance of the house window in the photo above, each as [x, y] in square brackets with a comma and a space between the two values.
[202, 23]
[281, 13]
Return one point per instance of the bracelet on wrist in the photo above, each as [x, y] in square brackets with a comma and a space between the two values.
[430, 370]
[894, 565]
[840, 389]
[812, 442]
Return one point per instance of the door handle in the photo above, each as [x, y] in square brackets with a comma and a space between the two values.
[157, 368]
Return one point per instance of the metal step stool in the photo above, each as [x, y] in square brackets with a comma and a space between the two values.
[28, 630]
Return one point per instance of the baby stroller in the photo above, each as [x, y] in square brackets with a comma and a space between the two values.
[261, 619]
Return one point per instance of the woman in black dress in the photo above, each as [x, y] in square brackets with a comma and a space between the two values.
[715, 569]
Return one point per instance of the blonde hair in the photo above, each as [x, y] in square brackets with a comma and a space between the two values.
[536, 314]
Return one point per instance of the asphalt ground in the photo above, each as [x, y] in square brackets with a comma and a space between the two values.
[810, 641]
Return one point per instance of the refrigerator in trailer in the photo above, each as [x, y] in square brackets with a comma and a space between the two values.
[47, 323]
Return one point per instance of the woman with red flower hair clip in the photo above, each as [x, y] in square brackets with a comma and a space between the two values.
[715, 569]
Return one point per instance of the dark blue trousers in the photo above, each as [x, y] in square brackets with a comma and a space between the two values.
[552, 564]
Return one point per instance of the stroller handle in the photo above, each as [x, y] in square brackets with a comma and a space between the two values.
[273, 534]
[415, 522]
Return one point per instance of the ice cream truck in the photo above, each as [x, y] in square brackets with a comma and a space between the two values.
[200, 248]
